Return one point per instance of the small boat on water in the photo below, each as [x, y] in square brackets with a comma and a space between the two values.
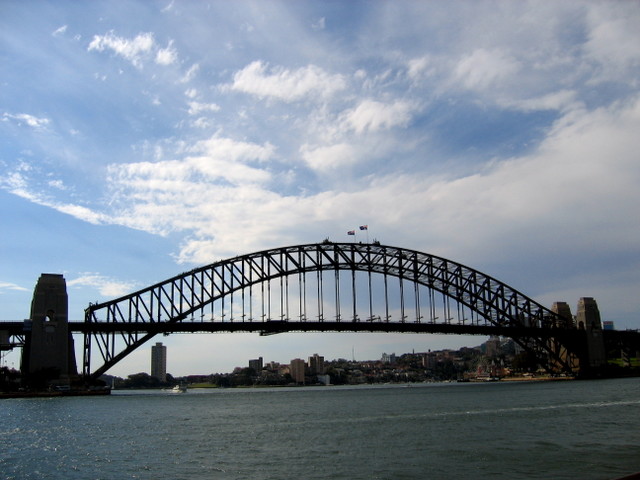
[179, 389]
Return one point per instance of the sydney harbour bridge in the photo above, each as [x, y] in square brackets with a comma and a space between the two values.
[321, 287]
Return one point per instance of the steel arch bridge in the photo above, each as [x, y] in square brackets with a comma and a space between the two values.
[337, 287]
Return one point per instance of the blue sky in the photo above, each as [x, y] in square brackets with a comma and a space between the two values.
[142, 139]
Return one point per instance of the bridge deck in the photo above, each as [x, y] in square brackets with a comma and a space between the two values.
[278, 326]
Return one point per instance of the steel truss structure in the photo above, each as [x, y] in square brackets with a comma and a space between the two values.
[339, 287]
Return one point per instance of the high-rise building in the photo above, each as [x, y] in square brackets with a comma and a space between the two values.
[297, 368]
[256, 364]
[159, 362]
[316, 365]
[388, 358]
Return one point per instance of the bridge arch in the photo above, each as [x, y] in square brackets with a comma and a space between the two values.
[311, 277]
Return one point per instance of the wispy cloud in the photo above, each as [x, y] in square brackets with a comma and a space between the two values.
[196, 108]
[132, 50]
[26, 119]
[107, 287]
[371, 115]
[6, 286]
[285, 84]
[59, 31]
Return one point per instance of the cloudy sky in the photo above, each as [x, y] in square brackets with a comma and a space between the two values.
[143, 139]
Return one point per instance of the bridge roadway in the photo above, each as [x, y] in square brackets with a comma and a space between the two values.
[271, 327]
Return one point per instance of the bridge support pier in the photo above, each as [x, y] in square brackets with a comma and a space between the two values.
[48, 354]
[588, 319]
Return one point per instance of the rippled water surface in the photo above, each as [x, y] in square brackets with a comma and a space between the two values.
[570, 430]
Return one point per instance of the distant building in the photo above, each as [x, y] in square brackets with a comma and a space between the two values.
[297, 368]
[608, 325]
[256, 365]
[316, 365]
[429, 360]
[159, 362]
[388, 358]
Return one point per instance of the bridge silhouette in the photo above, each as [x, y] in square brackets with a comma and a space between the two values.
[334, 287]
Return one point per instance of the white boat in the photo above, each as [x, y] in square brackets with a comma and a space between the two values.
[179, 389]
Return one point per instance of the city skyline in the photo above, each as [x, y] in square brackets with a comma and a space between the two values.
[144, 139]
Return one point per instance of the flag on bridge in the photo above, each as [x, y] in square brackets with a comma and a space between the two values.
[351, 232]
[364, 227]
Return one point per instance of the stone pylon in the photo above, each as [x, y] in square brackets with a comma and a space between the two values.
[48, 350]
[588, 319]
[563, 310]
[557, 346]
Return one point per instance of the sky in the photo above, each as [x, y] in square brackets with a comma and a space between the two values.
[143, 139]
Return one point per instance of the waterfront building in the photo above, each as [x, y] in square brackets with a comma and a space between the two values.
[388, 358]
[297, 370]
[316, 365]
[159, 362]
[256, 365]
[429, 360]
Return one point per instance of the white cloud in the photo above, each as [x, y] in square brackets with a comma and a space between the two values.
[188, 194]
[483, 69]
[167, 56]
[286, 85]
[561, 100]
[18, 184]
[202, 123]
[12, 286]
[57, 184]
[29, 120]
[107, 287]
[132, 50]
[191, 73]
[330, 157]
[417, 66]
[60, 31]
[614, 38]
[371, 116]
[233, 150]
[196, 108]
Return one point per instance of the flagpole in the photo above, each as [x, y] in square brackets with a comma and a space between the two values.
[366, 229]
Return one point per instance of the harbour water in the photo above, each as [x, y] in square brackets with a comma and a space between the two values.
[541, 430]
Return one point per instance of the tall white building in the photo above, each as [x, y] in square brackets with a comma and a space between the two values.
[159, 362]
